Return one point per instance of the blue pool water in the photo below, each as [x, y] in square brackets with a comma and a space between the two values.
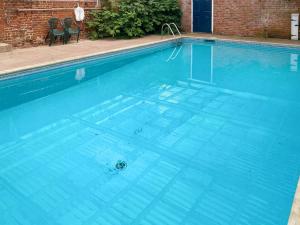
[210, 133]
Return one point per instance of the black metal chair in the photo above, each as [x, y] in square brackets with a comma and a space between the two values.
[69, 30]
[53, 32]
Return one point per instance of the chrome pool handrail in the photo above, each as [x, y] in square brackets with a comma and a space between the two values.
[176, 28]
[169, 29]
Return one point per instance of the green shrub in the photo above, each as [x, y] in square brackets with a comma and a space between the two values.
[132, 18]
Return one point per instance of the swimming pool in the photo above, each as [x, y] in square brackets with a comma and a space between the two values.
[209, 132]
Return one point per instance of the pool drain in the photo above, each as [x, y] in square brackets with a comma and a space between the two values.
[121, 165]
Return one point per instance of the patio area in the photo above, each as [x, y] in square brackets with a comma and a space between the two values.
[26, 58]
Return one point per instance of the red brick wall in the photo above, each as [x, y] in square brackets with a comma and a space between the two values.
[254, 17]
[30, 28]
[1, 20]
[186, 15]
[231, 17]
[248, 17]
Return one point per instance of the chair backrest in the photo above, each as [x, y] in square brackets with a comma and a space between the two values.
[67, 22]
[53, 23]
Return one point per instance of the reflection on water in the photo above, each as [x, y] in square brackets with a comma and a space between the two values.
[294, 62]
[80, 74]
[177, 49]
[257, 70]
[202, 68]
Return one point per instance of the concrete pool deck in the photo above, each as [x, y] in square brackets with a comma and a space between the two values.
[26, 58]
[295, 212]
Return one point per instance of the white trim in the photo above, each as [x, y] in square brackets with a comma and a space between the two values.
[212, 16]
[192, 15]
[191, 67]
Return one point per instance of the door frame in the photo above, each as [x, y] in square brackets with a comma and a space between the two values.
[212, 16]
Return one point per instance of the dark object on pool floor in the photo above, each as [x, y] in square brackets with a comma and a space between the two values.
[139, 130]
[121, 165]
[210, 40]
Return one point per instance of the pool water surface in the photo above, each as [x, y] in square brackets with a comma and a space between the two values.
[209, 133]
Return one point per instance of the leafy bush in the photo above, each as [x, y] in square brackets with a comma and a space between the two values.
[132, 18]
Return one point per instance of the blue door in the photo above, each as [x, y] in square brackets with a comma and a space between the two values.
[202, 13]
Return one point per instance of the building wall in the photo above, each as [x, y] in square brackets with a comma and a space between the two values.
[1, 20]
[30, 28]
[22, 29]
[186, 15]
[248, 17]
[231, 17]
[254, 17]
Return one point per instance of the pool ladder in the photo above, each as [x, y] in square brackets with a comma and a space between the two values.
[174, 53]
[169, 27]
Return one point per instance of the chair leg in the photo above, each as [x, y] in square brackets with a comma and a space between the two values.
[61, 39]
[47, 36]
[68, 36]
[78, 35]
[51, 39]
[65, 38]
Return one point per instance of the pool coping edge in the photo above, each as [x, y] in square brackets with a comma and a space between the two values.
[9, 73]
[294, 218]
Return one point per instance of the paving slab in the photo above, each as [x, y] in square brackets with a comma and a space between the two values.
[295, 212]
[5, 47]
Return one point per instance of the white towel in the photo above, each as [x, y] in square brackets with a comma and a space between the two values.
[79, 13]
